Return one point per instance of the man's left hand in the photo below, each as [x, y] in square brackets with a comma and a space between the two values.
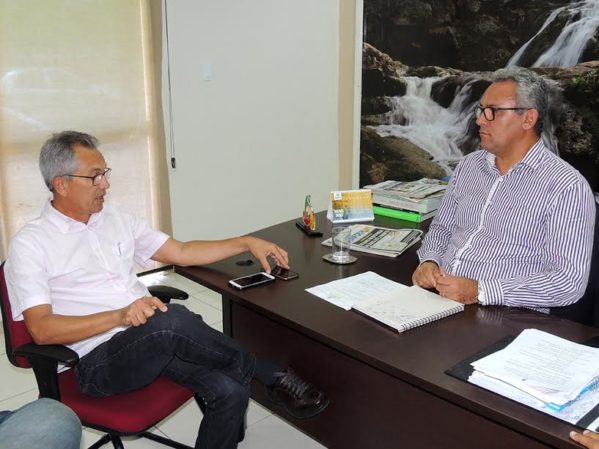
[459, 289]
[587, 439]
[262, 250]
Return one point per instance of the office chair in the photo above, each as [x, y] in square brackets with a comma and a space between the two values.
[586, 309]
[119, 415]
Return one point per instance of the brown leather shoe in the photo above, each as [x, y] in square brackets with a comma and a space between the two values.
[300, 398]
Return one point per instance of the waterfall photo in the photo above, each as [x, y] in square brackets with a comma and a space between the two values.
[426, 64]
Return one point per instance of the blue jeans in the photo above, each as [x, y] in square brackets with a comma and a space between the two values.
[41, 424]
[180, 345]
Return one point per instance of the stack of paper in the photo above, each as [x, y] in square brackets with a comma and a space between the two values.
[545, 372]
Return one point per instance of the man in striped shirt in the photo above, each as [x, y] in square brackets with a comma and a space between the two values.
[515, 227]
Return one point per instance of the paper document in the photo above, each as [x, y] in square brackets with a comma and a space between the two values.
[547, 373]
[573, 413]
[346, 292]
[547, 367]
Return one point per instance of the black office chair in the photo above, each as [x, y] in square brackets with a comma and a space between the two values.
[586, 309]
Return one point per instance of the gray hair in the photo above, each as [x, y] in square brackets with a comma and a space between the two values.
[57, 157]
[532, 90]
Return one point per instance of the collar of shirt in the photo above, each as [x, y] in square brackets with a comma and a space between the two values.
[532, 159]
[66, 224]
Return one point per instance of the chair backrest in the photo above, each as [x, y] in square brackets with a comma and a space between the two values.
[15, 332]
[586, 309]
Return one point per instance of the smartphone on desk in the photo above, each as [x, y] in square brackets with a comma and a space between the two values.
[251, 280]
[283, 273]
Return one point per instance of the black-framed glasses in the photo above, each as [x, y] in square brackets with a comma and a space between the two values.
[97, 179]
[489, 111]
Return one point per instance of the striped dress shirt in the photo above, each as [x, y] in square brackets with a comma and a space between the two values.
[525, 236]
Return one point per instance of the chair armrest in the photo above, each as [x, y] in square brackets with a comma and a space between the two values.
[165, 293]
[44, 360]
[55, 353]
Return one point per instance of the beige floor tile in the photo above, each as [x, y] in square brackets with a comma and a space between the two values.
[210, 297]
[90, 436]
[218, 326]
[209, 314]
[256, 413]
[14, 380]
[19, 400]
[183, 425]
[274, 433]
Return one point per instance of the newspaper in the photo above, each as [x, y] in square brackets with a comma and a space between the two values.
[381, 241]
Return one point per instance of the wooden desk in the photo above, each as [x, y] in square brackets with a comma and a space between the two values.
[387, 390]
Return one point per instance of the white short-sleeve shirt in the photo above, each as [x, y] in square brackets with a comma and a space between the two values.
[77, 268]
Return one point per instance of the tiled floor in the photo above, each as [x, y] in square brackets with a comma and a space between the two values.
[265, 430]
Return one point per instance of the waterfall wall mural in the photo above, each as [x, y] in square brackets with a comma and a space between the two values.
[426, 64]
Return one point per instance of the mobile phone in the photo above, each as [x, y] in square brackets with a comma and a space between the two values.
[283, 273]
[251, 280]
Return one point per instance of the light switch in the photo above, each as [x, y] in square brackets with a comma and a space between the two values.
[207, 72]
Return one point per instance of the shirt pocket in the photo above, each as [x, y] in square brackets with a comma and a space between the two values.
[123, 252]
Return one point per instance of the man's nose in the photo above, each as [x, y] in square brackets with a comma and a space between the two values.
[481, 119]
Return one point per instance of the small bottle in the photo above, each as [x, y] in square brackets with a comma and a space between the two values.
[308, 214]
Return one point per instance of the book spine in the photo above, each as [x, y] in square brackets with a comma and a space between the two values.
[388, 200]
[399, 214]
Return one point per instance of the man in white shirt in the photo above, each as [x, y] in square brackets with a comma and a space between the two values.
[70, 276]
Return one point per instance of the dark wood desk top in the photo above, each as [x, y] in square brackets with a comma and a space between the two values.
[419, 356]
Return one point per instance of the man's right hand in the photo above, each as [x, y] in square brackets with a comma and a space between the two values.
[426, 275]
[138, 312]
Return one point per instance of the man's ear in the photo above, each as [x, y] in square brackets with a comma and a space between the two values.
[59, 185]
[530, 118]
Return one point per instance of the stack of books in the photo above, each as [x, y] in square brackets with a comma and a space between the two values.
[412, 201]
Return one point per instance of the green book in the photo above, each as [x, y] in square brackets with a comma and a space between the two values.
[402, 214]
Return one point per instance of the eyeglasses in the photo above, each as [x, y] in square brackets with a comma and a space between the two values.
[97, 179]
[489, 111]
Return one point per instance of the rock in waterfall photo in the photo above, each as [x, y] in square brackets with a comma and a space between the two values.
[425, 65]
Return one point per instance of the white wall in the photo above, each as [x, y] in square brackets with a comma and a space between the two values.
[261, 134]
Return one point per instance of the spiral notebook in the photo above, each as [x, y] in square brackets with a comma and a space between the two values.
[407, 308]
